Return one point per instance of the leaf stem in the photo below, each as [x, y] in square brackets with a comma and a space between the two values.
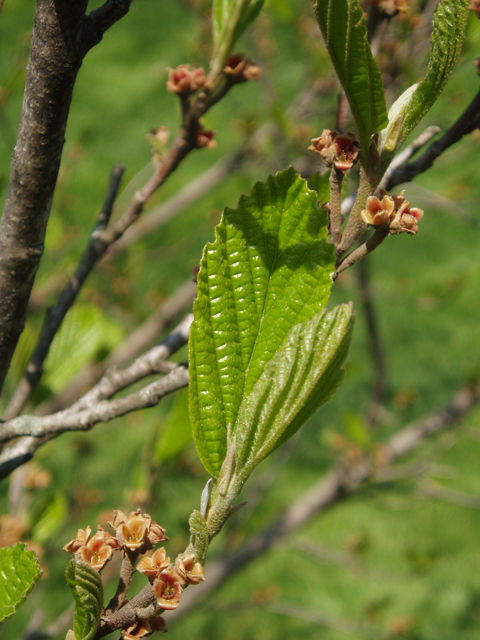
[336, 179]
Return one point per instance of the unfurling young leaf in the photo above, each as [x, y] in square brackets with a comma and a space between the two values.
[344, 30]
[269, 269]
[449, 25]
[19, 572]
[87, 589]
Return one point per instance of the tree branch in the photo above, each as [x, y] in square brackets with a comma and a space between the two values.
[56, 53]
[57, 313]
[94, 407]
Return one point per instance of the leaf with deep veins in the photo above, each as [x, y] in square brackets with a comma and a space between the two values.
[269, 269]
[345, 33]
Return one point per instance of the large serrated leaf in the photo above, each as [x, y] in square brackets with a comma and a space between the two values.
[269, 269]
[19, 572]
[303, 375]
[449, 25]
[87, 589]
[344, 30]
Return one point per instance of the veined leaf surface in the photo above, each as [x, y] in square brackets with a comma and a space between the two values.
[269, 269]
[87, 589]
[19, 572]
[301, 377]
[449, 25]
[345, 33]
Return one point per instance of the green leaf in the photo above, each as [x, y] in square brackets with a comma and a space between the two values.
[269, 269]
[345, 33]
[230, 18]
[449, 25]
[321, 184]
[19, 572]
[87, 589]
[303, 375]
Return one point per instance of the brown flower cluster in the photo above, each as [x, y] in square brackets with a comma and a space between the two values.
[185, 80]
[205, 139]
[169, 581]
[144, 628]
[392, 213]
[339, 150]
[240, 69]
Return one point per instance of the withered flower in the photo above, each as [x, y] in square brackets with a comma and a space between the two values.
[167, 589]
[339, 150]
[189, 571]
[152, 566]
[185, 79]
[144, 628]
[96, 550]
[137, 532]
[392, 213]
[238, 68]
[205, 139]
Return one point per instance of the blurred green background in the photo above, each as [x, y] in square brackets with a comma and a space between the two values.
[388, 562]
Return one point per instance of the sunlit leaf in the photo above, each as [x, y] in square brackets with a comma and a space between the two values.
[19, 571]
[269, 269]
[303, 375]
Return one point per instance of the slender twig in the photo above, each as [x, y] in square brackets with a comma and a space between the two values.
[126, 574]
[136, 343]
[360, 252]
[24, 448]
[466, 123]
[336, 179]
[57, 313]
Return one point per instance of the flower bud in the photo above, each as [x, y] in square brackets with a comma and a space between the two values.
[185, 80]
[339, 150]
[238, 69]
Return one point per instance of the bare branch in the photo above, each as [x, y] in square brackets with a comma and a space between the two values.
[57, 313]
[101, 19]
[466, 123]
[136, 343]
[37, 430]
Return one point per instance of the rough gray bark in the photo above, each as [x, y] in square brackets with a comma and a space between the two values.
[62, 35]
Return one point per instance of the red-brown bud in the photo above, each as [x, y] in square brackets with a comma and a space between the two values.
[96, 550]
[238, 68]
[339, 150]
[205, 139]
[185, 79]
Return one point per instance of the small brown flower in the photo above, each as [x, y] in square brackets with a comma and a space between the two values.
[392, 213]
[238, 68]
[185, 79]
[137, 532]
[152, 566]
[205, 139]
[96, 550]
[339, 150]
[168, 589]
[144, 628]
[189, 571]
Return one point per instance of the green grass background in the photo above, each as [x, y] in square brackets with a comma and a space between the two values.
[392, 563]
